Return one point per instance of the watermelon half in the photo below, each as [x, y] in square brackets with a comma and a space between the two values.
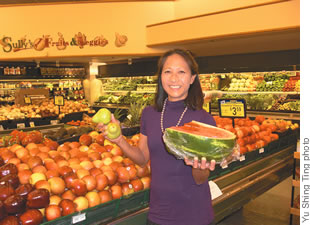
[195, 139]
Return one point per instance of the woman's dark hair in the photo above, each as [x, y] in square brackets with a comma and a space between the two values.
[194, 99]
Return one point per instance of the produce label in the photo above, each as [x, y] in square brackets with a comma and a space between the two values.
[78, 218]
[1, 127]
[234, 108]
[31, 124]
[20, 125]
[59, 100]
[27, 100]
[206, 106]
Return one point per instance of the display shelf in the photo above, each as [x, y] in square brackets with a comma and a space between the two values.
[125, 92]
[262, 92]
[238, 187]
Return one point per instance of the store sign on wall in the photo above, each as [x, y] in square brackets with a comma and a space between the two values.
[46, 41]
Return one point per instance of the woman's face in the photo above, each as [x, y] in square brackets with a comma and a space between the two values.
[176, 77]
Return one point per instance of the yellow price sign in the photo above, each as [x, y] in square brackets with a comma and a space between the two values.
[59, 100]
[232, 108]
[206, 106]
[27, 100]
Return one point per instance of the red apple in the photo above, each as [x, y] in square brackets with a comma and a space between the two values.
[64, 170]
[22, 166]
[102, 182]
[14, 204]
[31, 216]
[85, 139]
[24, 189]
[105, 196]
[116, 191]
[90, 182]
[94, 156]
[8, 168]
[68, 194]
[127, 162]
[111, 175]
[116, 151]
[34, 161]
[142, 171]
[15, 161]
[63, 148]
[11, 179]
[95, 171]
[51, 173]
[127, 188]
[68, 207]
[87, 164]
[82, 173]
[52, 212]
[100, 139]
[69, 179]
[38, 198]
[78, 187]
[132, 171]
[66, 155]
[137, 184]
[123, 174]
[21, 152]
[6, 190]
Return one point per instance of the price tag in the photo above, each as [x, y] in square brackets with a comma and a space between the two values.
[242, 158]
[233, 108]
[59, 100]
[27, 100]
[20, 125]
[78, 218]
[31, 124]
[224, 166]
[1, 127]
[54, 122]
[206, 106]
[261, 150]
[223, 76]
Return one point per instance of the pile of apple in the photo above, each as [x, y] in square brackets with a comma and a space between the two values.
[251, 134]
[67, 178]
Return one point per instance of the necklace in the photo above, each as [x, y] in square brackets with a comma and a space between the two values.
[162, 116]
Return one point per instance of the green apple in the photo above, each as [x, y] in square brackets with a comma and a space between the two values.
[114, 130]
[102, 116]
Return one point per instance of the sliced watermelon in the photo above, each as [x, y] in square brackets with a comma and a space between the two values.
[197, 139]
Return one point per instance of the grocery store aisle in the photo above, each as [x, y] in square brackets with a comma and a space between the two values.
[271, 208]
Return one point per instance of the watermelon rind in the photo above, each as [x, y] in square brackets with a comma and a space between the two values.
[185, 144]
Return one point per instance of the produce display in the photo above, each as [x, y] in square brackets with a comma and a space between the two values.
[257, 133]
[130, 97]
[196, 139]
[42, 180]
[45, 109]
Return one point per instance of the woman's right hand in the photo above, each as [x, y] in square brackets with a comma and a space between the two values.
[103, 129]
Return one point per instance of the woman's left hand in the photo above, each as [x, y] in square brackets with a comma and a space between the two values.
[203, 164]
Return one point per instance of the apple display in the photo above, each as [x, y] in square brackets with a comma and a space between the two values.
[31, 217]
[52, 212]
[81, 203]
[68, 207]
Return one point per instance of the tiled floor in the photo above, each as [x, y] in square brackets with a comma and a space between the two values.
[271, 208]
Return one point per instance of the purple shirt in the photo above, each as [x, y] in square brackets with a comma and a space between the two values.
[175, 198]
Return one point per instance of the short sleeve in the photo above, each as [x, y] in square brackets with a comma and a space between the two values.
[207, 118]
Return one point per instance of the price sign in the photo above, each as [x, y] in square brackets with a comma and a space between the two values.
[59, 100]
[31, 124]
[207, 106]
[242, 158]
[261, 150]
[78, 218]
[233, 108]
[20, 125]
[1, 127]
[54, 122]
[27, 100]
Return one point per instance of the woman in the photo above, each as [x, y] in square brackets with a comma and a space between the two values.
[179, 192]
